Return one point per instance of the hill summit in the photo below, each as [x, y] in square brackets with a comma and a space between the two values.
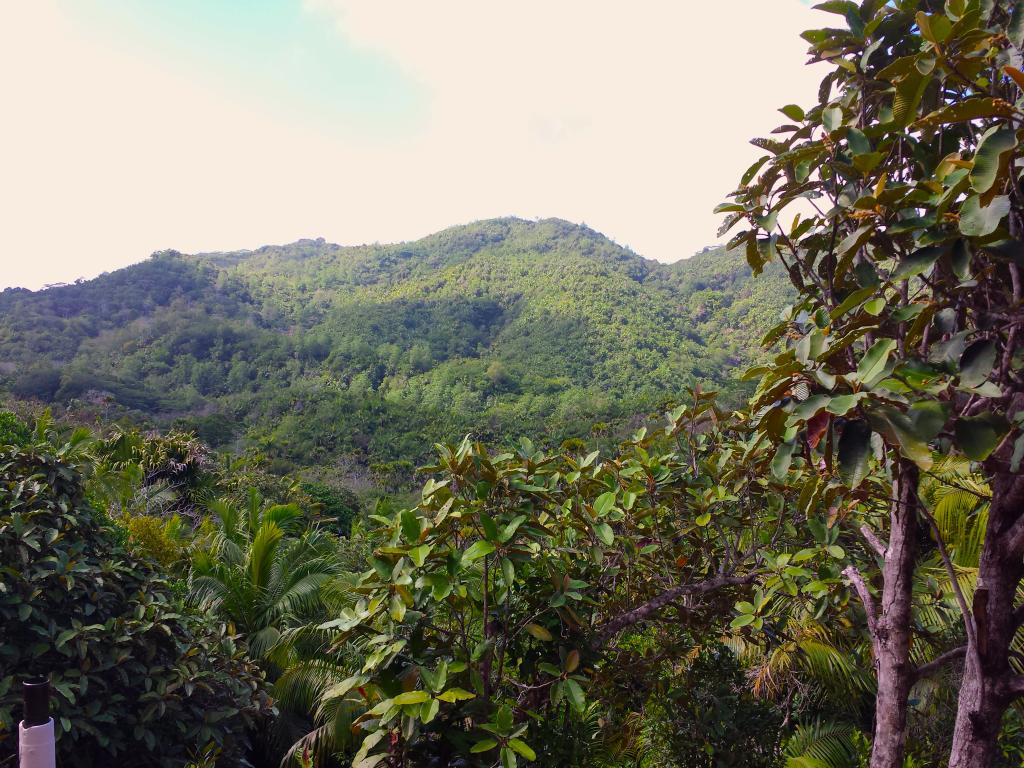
[317, 353]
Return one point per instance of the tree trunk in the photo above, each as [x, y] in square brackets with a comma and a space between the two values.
[892, 633]
[978, 717]
[989, 683]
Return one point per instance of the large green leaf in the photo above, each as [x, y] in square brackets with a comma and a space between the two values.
[972, 109]
[1015, 29]
[991, 158]
[854, 451]
[793, 112]
[977, 220]
[576, 696]
[522, 748]
[843, 404]
[410, 526]
[927, 418]
[977, 362]
[811, 406]
[979, 435]
[919, 261]
[899, 430]
[456, 694]
[412, 697]
[604, 533]
[477, 550]
[909, 91]
[782, 460]
[857, 141]
[539, 632]
[873, 364]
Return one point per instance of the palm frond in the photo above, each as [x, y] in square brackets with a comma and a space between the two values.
[822, 745]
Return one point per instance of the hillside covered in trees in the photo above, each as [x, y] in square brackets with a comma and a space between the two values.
[317, 354]
[823, 571]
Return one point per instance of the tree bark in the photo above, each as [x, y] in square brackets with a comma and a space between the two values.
[892, 632]
[989, 683]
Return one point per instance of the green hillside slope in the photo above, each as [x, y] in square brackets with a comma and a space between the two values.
[319, 354]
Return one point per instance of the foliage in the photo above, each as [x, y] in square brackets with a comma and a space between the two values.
[309, 352]
[491, 606]
[823, 745]
[161, 541]
[893, 334]
[903, 343]
[139, 679]
[13, 431]
[261, 570]
[339, 505]
[711, 719]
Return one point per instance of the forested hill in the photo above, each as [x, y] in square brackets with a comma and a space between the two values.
[319, 354]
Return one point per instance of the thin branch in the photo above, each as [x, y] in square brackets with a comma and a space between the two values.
[873, 541]
[933, 666]
[951, 570]
[870, 607]
[1012, 687]
[653, 606]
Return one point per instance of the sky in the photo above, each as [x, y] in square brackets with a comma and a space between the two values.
[132, 126]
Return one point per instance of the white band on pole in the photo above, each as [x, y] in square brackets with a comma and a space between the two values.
[36, 746]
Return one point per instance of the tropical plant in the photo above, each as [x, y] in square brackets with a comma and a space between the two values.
[491, 606]
[262, 569]
[823, 745]
[906, 337]
[13, 431]
[139, 679]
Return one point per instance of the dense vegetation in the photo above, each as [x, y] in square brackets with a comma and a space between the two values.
[359, 359]
[140, 677]
[825, 574]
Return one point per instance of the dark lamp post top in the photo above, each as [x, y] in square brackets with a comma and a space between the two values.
[36, 697]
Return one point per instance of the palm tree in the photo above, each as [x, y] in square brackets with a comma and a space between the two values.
[263, 569]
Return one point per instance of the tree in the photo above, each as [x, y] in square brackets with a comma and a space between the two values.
[491, 604]
[139, 678]
[906, 337]
[262, 570]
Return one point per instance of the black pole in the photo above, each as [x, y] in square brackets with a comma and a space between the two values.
[36, 699]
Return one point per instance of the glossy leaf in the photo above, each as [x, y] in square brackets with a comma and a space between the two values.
[854, 452]
[977, 362]
[977, 220]
[979, 435]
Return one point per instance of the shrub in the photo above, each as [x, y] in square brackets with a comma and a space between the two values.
[155, 538]
[139, 680]
[338, 504]
[39, 383]
[13, 431]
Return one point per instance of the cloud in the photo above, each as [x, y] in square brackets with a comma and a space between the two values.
[633, 117]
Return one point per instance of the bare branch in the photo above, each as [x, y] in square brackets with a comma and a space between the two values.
[649, 609]
[873, 541]
[965, 610]
[870, 608]
[938, 662]
[1012, 687]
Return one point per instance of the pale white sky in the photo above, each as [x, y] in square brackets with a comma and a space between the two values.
[128, 129]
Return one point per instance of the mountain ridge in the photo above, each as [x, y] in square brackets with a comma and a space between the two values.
[310, 351]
